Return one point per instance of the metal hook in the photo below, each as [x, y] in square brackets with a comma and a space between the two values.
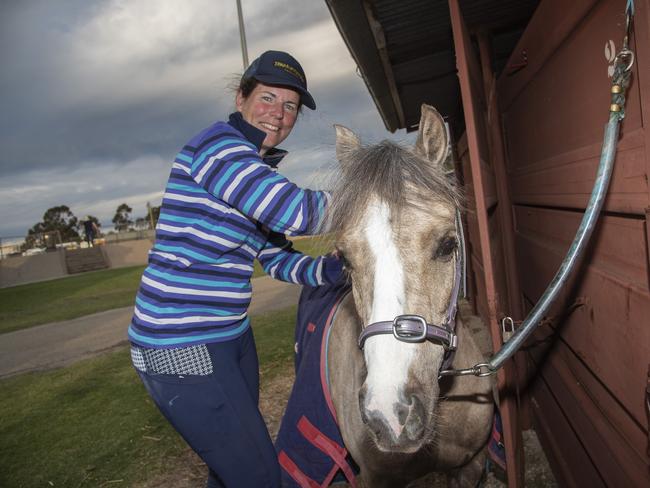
[507, 328]
[480, 370]
[623, 53]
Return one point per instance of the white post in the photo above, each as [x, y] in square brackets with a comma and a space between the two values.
[242, 35]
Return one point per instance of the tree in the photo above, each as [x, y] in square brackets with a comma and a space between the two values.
[32, 239]
[141, 223]
[150, 220]
[122, 218]
[56, 219]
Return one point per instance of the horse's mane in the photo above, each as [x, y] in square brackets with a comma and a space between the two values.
[395, 175]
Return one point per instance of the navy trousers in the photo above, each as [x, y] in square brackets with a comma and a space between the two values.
[218, 415]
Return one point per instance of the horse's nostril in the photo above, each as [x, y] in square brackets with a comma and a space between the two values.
[364, 416]
[414, 426]
[377, 427]
[402, 411]
[362, 405]
[411, 400]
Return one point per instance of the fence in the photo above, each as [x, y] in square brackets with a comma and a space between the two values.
[120, 250]
[129, 235]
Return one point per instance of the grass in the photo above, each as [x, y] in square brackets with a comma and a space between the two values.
[75, 296]
[67, 298]
[92, 424]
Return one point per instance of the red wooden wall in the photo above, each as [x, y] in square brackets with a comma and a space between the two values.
[484, 177]
[589, 364]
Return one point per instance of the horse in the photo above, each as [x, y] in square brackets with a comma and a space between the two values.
[394, 213]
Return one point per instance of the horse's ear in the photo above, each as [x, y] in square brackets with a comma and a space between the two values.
[346, 141]
[433, 140]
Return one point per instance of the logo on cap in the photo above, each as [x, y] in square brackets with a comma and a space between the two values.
[289, 69]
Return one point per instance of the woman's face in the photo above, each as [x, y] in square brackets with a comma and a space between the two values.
[272, 109]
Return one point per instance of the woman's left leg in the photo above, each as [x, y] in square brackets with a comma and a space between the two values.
[244, 397]
[218, 415]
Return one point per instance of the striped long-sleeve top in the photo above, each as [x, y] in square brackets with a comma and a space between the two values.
[223, 207]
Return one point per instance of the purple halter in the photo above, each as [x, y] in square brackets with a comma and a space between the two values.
[415, 328]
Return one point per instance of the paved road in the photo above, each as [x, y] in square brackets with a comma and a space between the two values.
[62, 343]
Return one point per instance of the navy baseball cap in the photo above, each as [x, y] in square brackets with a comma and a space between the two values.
[280, 68]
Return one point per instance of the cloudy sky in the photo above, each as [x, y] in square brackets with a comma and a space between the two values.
[97, 96]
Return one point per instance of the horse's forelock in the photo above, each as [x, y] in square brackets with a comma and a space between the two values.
[392, 174]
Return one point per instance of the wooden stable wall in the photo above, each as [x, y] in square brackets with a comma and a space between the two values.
[484, 180]
[589, 364]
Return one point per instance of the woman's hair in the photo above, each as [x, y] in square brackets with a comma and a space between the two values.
[246, 86]
[236, 83]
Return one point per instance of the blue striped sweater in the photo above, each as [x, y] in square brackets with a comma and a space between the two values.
[223, 207]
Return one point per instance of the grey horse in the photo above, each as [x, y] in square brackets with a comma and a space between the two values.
[394, 216]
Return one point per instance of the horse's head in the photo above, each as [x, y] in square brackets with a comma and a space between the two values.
[395, 214]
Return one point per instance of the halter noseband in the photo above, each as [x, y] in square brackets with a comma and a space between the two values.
[415, 328]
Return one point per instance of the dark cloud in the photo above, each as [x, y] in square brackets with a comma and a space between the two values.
[266, 18]
[60, 113]
[119, 134]
[98, 96]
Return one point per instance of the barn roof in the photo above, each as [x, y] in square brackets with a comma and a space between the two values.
[404, 50]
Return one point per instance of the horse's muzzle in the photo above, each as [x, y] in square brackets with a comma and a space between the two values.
[403, 431]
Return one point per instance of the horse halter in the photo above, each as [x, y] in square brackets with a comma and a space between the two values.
[415, 328]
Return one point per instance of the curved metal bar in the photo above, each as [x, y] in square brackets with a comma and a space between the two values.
[576, 250]
[620, 82]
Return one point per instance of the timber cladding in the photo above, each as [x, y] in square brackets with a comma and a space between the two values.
[590, 364]
[528, 160]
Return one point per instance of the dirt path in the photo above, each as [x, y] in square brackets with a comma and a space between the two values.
[62, 343]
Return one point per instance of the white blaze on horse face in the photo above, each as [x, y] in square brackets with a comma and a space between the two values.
[387, 359]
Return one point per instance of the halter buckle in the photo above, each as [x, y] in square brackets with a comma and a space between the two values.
[403, 333]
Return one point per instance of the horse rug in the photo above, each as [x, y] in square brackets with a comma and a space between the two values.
[309, 444]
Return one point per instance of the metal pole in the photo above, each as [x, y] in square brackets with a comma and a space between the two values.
[150, 215]
[242, 35]
[620, 82]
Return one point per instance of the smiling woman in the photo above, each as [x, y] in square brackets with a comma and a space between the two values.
[272, 109]
[224, 207]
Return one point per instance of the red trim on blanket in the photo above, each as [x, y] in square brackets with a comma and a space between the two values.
[493, 446]
[328, 479]
[294, 471]
[323, 357]
[311, 327]
[328, 446]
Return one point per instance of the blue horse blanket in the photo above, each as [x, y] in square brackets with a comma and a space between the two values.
[309, 444]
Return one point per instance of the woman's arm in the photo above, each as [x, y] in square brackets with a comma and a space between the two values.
[230, 168]
[281, 261]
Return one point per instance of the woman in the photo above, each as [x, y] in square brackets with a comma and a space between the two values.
[224, 206]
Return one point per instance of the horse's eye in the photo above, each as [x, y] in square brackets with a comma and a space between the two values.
[445, 249]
